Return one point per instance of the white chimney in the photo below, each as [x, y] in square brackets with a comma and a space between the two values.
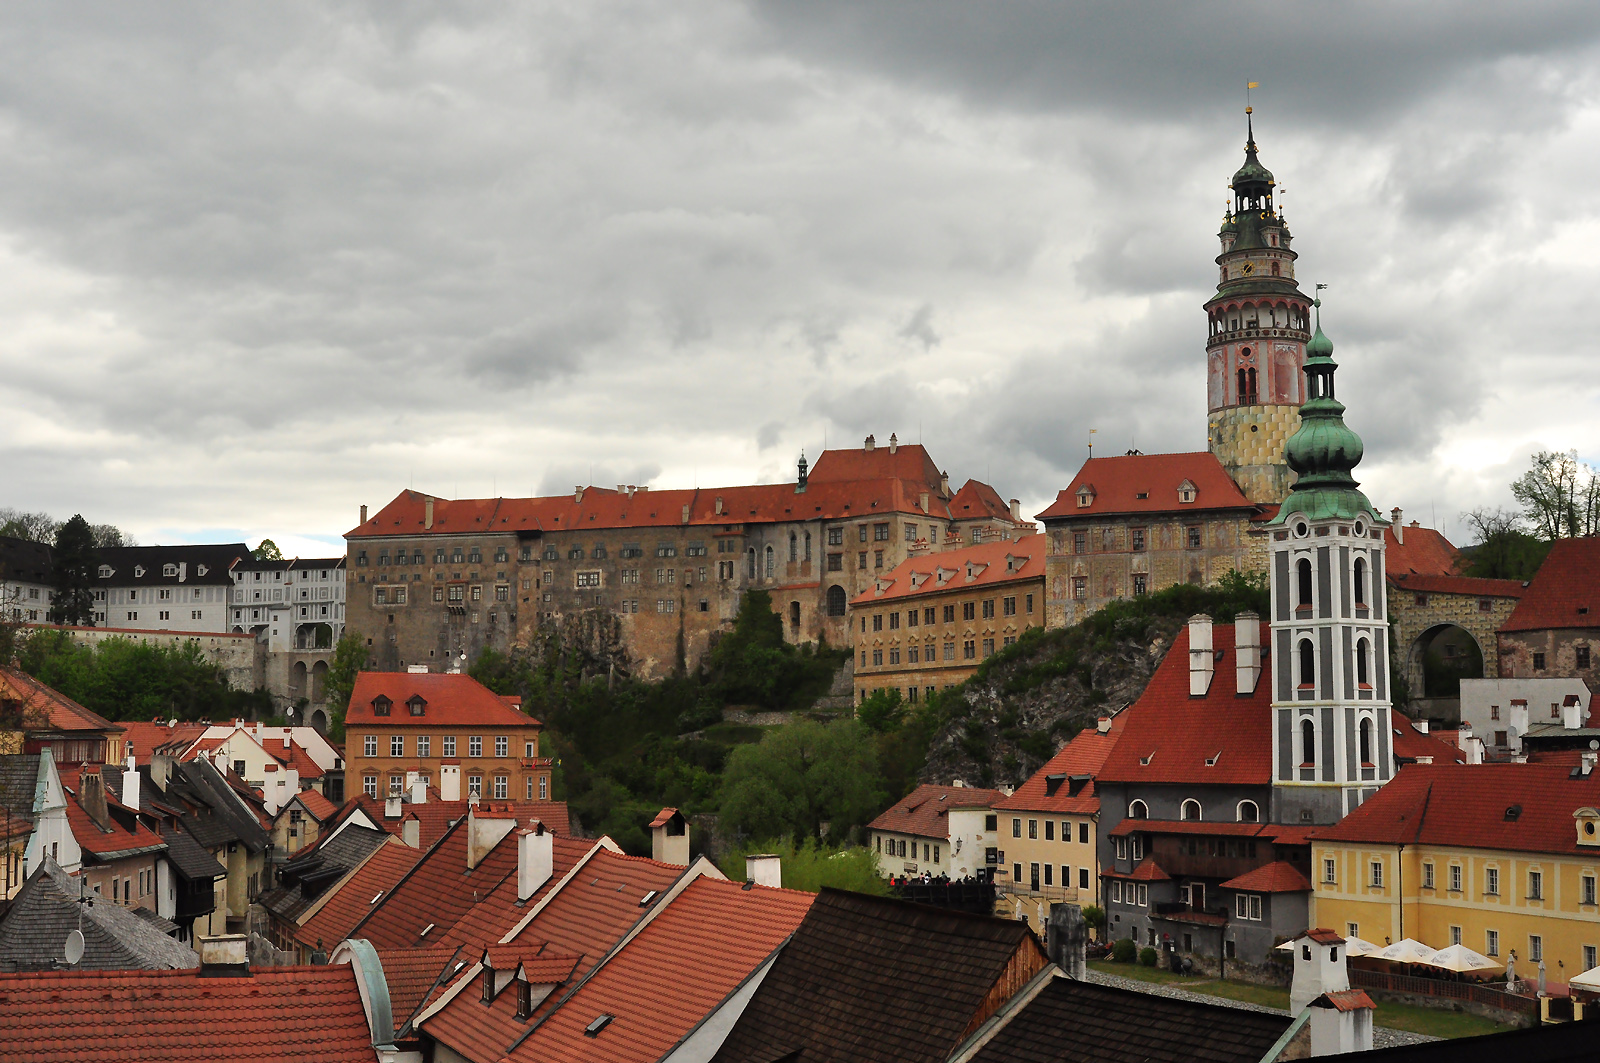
[870, 444]
[484, 833]
[1319, 967]
[1518, 722]
[1103, 725]
[1016, 510]
[1399, 529]
[1420, 725]
[1202, 661]
[669, 838]
[130, 783]
[1588, 758]
[271, 791]
[894, 442]
[419, 793]
[1247, 652]
[1572, 713]
[577, 493]
[764, 869]
[391, 807]
[427, 513]
[536, 859]
[449, 782]
[411, 830]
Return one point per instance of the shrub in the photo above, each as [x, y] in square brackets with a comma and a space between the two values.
[1124, 950]
[1147, 957]
[1094, 917]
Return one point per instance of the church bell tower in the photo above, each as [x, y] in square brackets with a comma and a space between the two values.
[1257, 345]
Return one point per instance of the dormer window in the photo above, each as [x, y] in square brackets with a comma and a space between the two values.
[106, 571]
[1187, 492]
[524, 998]
[169, 569]
[416, 704]
[201, 570]
[1085, 496]
[381, 705]
[138, 572]
[1588, 820]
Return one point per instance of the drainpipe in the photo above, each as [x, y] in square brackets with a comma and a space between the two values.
[1400, 883]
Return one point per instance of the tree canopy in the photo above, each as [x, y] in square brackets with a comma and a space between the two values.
[1559, 495]
[801, 777]
[267, 551]
[73, 573]
[350, 658]
[126, 680]
[1504, 549]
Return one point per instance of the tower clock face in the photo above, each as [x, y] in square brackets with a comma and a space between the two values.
[1249, 268]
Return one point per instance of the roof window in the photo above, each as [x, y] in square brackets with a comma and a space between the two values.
[1085, 496]
[169, 569]
[1187, 492]
[106, 571]
[600, 1023]
[1052, 783]
[381, 705]
[1513, 813]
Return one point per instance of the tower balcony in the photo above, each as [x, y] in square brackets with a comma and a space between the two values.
[1257, 333]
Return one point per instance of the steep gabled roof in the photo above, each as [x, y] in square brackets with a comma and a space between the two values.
[454, 700]
[1148, 483]
[434, 817]
[1170, 737]
[317, 807]
[176, 1015]
[873, 978]
[144, 739]
[34, 932]
[1280, 876]
[312, 871]
[991, 564]
[349, 902]
[978, 500]
[412, 974]
[1424, 552]
[925, 812]
[492, 917]
[1059, 786]
[58, 714]
[907, 461]
[1565, 592]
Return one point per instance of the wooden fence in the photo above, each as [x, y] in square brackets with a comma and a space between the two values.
[1477, 992]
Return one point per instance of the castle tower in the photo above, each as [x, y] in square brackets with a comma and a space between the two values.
[1256, 350]
[1331, 726]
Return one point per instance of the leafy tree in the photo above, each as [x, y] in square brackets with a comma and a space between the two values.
[109, 535]
[267, 551]
[753, 665]
[1504, 549]
[1094, 917]
[39, 527]
[882, 711]
[350, 658]
[1559, 495]
[125, 680]
[812, 867]
[800, 777]
[73, 573]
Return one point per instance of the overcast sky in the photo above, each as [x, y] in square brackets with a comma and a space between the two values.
[260, 265]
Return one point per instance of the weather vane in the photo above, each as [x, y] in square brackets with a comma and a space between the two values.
[1248, 85]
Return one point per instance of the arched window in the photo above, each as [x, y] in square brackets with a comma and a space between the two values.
[1360, 580]
[1308, 664]
[836, 600]
[1308, 743]
[1275, 265]
[794, 615]
[1251, 396]
[1303, 583]
[1190, 810]
[1138, 810]
[1366, 740]
[808, 546]
[772, 562]
[794, 547]
[1249, 812]
[1363, 676]
[750, 558]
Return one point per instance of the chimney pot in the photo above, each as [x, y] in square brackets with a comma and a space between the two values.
[224, 956]
[1247, 652]
[1202, 661]
[870, 444]
[1103, 725]
[363, 514]
[391, 807]
[449, 782]
[894, 443]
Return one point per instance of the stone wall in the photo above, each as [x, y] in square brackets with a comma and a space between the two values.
[1249, 442]
[242, 659]
[1414, 613]
[1560, 647]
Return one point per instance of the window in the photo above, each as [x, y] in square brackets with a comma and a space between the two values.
[1028, 602]
[835, 536]
[835, 563]
[474, 786]
[1582, 657]
[1363, 679]
[369, 746]
[1308, 744]
[1248, 905]
[1589, 959]
[544, 788]
[894, 621]
[500, 788]
[424, 746]
[1491, 942]
[1455, 878]
[949, 651]
[1330, 870]
[1308, 665]
[1049, 875]
[1016, 828]
[988, 647]
[1538, 662]
[1080, 588]
[969, 650]
[1535, 948]
[1491, 882]
[1427, 876]
[1136, 537]
[1144, 897]
[988, 609]
[1586, 890]
[1138, 810]
[1366, 738]
[502, 746]
[448, 744]
[949, 614]
[1190, 810]
[397, 746]
[1193, 535]
[969, 610]
[1033, 828]
[861, 560]
[1248, 812]
[1359, 579]
[1377, 874]
[1536, 885]
[1303, 583]
[369, 785]
[880, 533]
[580, 579]
[475, 747]
[1080, 542]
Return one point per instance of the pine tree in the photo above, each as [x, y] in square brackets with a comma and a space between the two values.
[74, 573]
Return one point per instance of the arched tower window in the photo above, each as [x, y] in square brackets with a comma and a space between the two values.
[1190, 810]
[1303, 583]
[1361, 580]
[794, 547]
[1248, 812]
[1363, 670]
[808, 546]
[836, 600]
[1366, 740]
[1138, 810]
[1275, 265]
[750, 566]
[772, 563]
[1308, 743]
[1308, 665]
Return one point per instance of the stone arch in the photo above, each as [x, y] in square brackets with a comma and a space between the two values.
[836, 600]
[317, 718]
[319, 682]
[297, 679]
[1439, 658]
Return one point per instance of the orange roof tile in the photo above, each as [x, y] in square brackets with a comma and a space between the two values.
[411, 974]
[1410, 743]
[680, 967]
[1280, 876]
[492, 917]
[1565, 592]
[354, 900]
[144, 739]
[458, 700]
[435, 816]
[1084, 755]
[114, 1016]
[663, 818]
[908, 461]
[1345, 1000]
[985, 565]
[925, 812]
[978, 499]
[1148, 483]
[117, 837]
[59, 713]
[1147, 871]
[1471, 586]
[1425, 552]
[318, 807]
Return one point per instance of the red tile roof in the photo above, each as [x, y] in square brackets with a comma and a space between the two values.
[1323, 936]
[680, 967]
[492, 917]
[435, 892]
[663, 818]
[454, 700]
[1565, 592]
[926, 811]
[1179, 734]
[1346, 1000]
[1425, 552]
[1280, 876]
[144, 739]
[345, 906]
[908, 461]
[116, 837]
[1471, 586]
[435, 816]
[318, 807]
[307, 1014]
[1118, 483]
[1084, 755]
[1147, 871]
[1467, 805]
[54, 711]
[985, 565]
[412, 974]
[1410, 743]
[297, 758]
[978, 499]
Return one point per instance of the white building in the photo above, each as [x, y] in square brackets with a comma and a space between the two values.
[296, 604]
[25, 591]
[165, 588]
[1502, 711]
[937, 830]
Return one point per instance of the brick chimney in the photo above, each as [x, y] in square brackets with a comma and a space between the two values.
[1202, 661]
[363, 514]
[1247, 651]
[535, 859]
[92, 796]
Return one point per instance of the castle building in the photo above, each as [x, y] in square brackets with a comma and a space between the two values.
[1136, 523]
[645, 577]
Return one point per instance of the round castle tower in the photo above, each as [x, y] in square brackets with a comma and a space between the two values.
[1256, 351]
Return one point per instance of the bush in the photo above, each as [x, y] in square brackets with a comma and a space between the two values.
[1147, 957]
[1094, 917]
[1124, 950]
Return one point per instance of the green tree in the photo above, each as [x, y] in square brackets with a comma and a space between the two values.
[882, 711]
[1559, 495]
[267, 551]
[812, 867]
[126, 680]
[1504, 549]
[39, 527]
[800, 777]
[350, 658]
[73, 573]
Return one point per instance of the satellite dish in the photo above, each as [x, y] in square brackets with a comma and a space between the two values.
[1594, 743]
[75, 947]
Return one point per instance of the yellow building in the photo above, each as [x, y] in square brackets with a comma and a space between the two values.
[1503, 858]
[930, 622]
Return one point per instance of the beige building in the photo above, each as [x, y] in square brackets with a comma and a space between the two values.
[930, 621]
[647, 577]
[938, 830]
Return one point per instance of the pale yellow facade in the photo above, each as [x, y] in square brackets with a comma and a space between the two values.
[1047, 857]
[1499, 903]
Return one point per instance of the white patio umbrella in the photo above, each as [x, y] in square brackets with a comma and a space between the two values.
[1461, 958]
[1354, 947]
[1589, 980]
[1407, 950]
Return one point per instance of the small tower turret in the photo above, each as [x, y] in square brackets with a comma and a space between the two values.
[800, 484]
